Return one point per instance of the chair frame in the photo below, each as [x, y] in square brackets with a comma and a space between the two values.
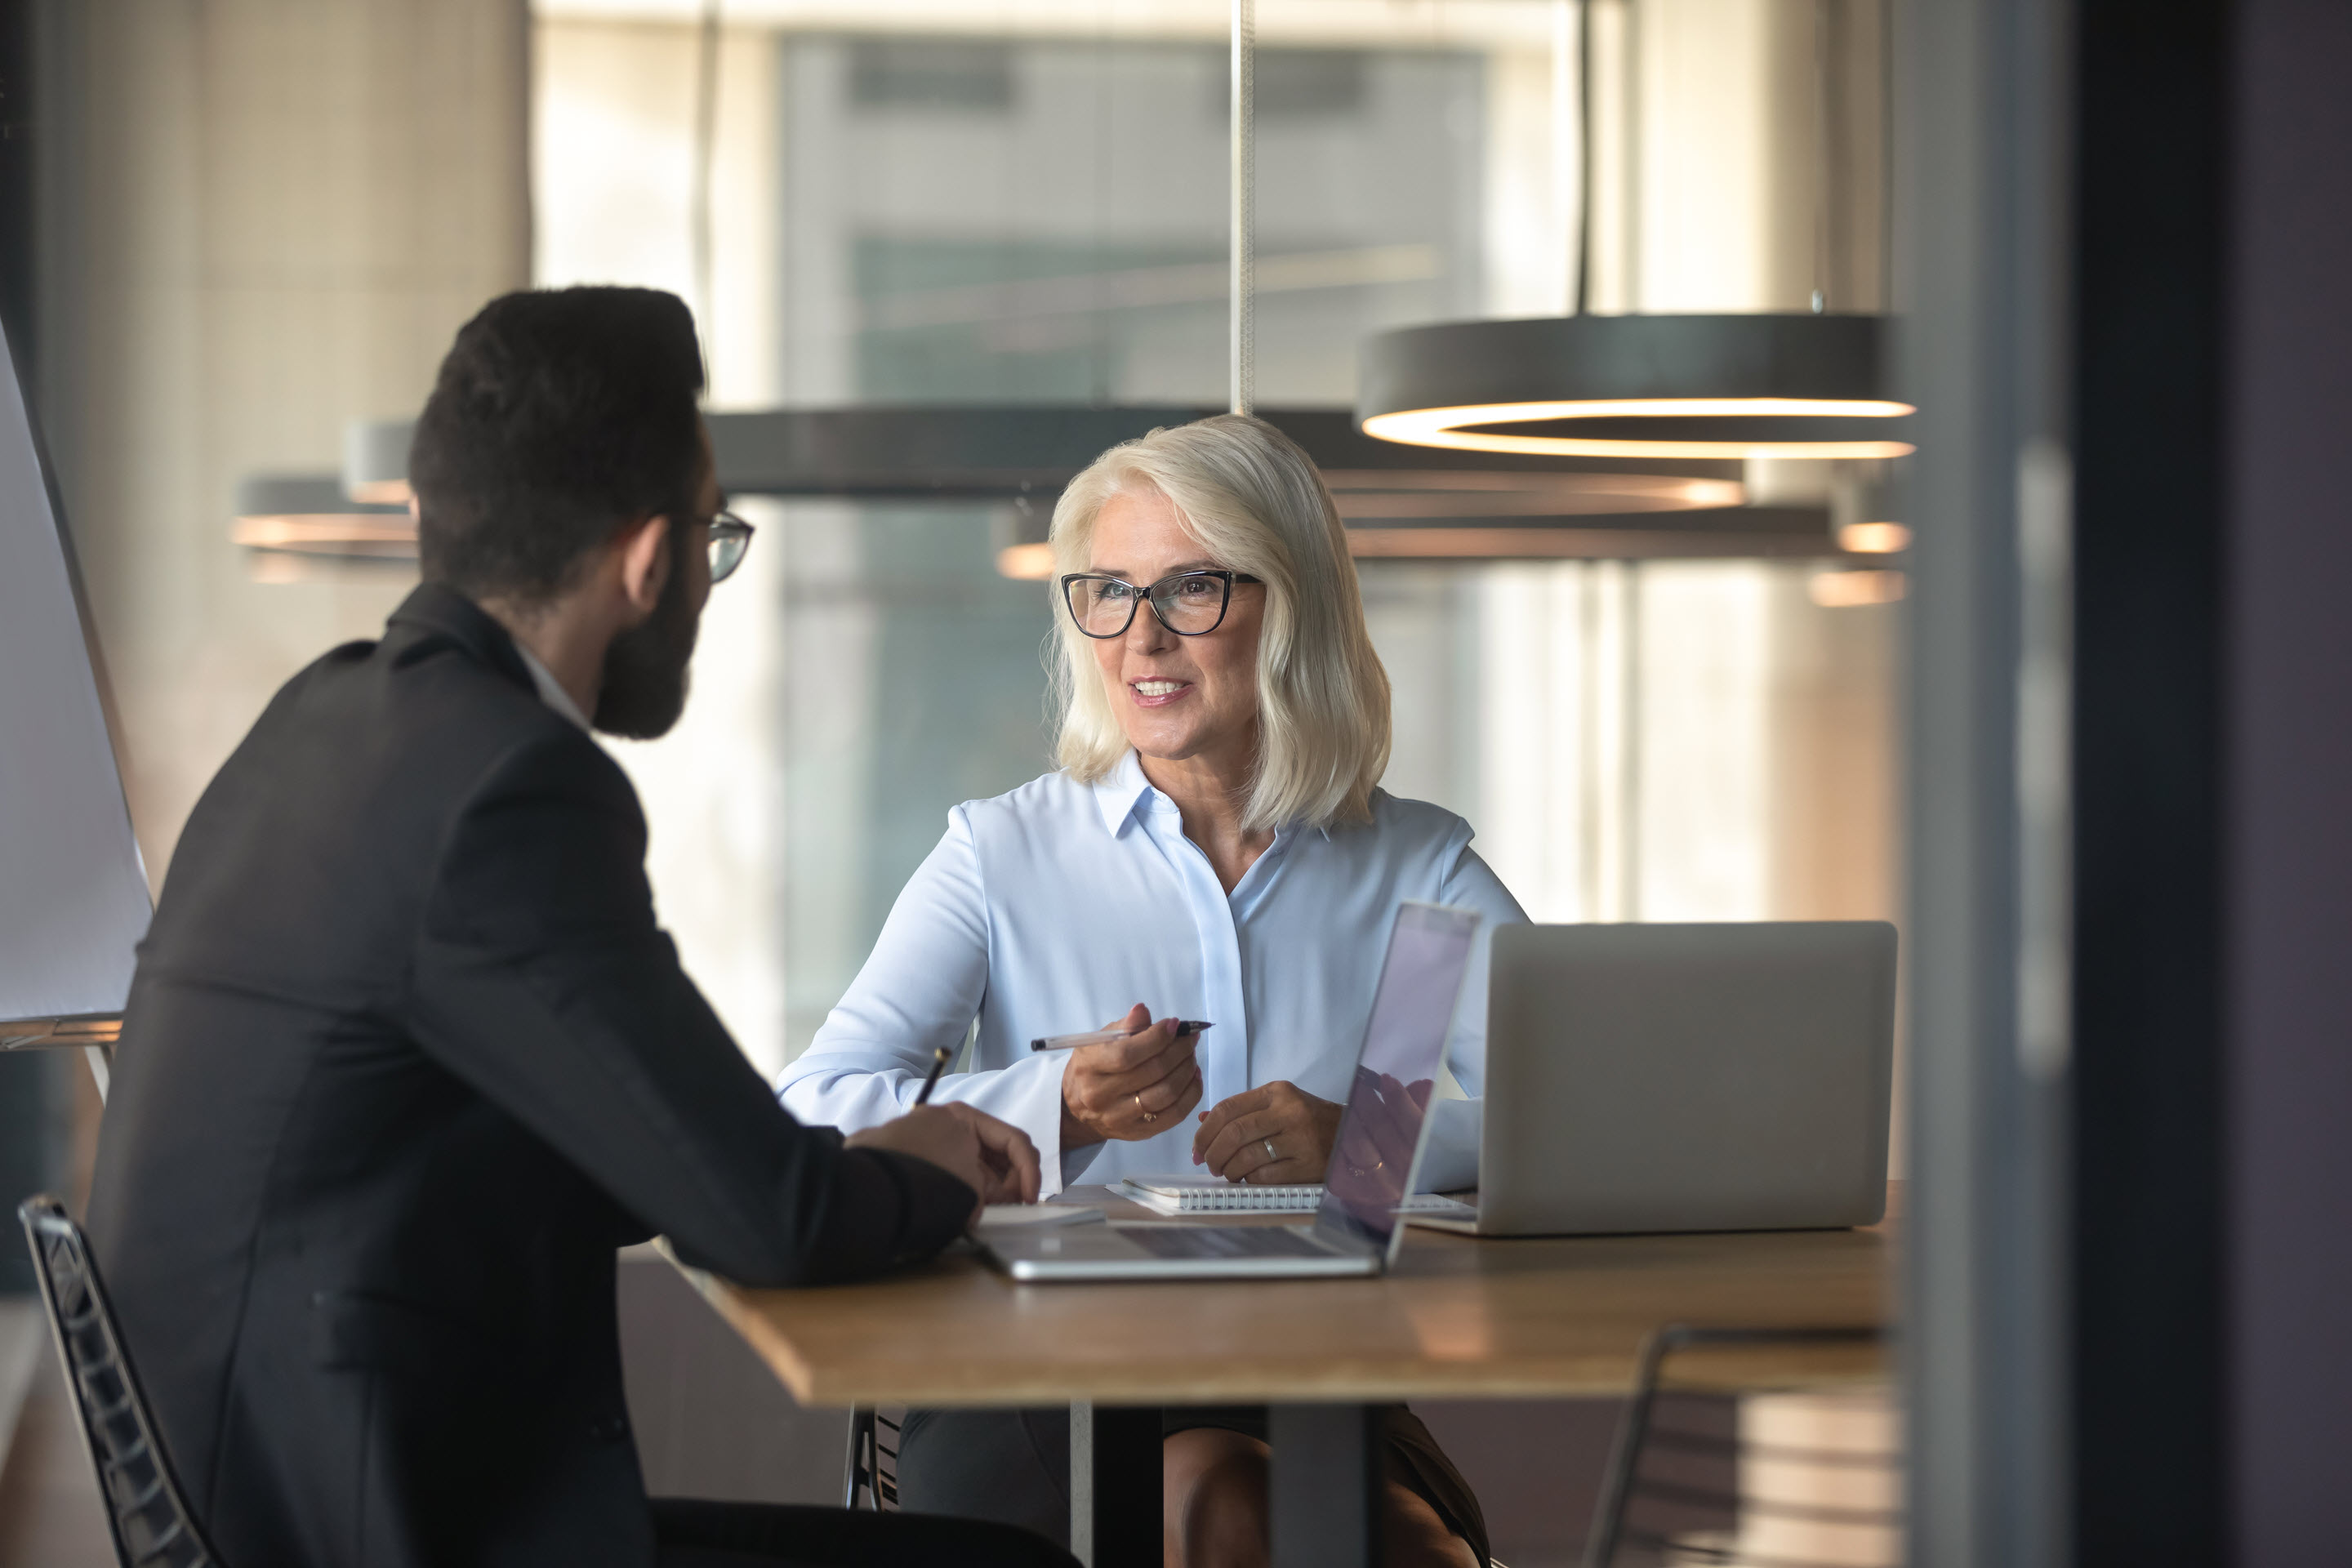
[146, 1513]
[1621, 1479]
[862, 1470]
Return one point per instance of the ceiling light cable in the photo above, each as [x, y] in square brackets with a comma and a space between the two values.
[1823, 166]
[699, 237]
[1242, 349]
[1583, 157]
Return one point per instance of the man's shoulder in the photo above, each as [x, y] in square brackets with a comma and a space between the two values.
[386, 739]
[304, 865]
[415, 701]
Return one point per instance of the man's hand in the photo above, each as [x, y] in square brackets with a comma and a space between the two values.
[1275, 1132]
[992, 1158]
[1131, 1088]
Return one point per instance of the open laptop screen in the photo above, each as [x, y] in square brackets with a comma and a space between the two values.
[1396, 1073]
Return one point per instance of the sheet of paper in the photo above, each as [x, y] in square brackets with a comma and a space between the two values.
[1011, 1216]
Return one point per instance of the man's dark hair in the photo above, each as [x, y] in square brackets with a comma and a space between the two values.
[557, 416]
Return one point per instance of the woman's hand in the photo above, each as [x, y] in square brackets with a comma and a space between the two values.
[1275, 1132]
[1131, 1089]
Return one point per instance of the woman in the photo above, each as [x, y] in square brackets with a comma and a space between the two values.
[1215, 846]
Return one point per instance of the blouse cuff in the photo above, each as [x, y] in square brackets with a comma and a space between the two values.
[1052, 1168]
[1034, 1105]
[1449, 1159]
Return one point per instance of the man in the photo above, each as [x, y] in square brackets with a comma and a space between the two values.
[408, 1057]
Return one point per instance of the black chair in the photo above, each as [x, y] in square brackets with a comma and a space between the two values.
[867, 1472]
[148, 1514]
[1704, 1464]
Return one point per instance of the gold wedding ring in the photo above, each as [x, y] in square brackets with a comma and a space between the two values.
[1141, 1112]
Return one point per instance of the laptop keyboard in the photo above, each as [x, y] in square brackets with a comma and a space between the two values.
[1223, 1241]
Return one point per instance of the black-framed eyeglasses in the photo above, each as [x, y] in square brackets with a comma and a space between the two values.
[731, 536]
[1190, 603]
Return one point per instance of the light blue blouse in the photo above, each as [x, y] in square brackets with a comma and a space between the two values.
[1059, 906]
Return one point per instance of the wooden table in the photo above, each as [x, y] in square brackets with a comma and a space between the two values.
[1458, 1318]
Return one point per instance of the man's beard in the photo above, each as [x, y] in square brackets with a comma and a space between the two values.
[645, 667]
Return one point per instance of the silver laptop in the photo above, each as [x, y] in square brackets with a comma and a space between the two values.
[1373, 1159]
[1680, 1077]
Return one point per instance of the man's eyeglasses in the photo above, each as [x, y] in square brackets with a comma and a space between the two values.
[1190, 603]
[731, 536]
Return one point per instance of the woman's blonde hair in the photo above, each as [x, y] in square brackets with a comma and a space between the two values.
[1256, 503]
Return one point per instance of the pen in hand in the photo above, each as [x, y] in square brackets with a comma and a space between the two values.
[931, 1078]
[1184, 1027]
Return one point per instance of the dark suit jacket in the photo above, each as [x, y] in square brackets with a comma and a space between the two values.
[406, 1059]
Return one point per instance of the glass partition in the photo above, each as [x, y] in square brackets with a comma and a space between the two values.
[917, 203]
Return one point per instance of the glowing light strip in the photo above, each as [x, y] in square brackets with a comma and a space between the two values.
[1874, 537]
[1558, 544]
[1848, 590]
[1025, 562]
[1444, 427]
[293, 530]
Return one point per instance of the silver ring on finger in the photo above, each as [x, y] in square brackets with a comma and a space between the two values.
[1139, 1110]
[1267, 1144]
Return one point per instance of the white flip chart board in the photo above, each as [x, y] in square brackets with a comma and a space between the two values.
[73, 893]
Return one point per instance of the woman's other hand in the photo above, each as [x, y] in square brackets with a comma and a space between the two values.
[1275, 1132]
[1131, 1088]
[994, 1159]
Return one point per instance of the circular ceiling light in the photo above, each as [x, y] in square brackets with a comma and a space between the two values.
[1791, 386]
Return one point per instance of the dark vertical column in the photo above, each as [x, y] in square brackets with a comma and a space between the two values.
[18, 178]
[2288, 573]
[1326, 1485]
[2148, 506]
[1982, 103]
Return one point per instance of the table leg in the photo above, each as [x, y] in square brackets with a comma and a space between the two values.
[1327, 1476]
[1114, 1486]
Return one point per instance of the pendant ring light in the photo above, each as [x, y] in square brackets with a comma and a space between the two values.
[1795, 385]
[1634, 386]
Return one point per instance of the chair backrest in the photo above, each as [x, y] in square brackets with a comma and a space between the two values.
[145, 1509]
[1782, 1451]
[872, 1472]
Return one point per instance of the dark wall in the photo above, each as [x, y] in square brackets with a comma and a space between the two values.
[2213, 1065]
[2289, 782]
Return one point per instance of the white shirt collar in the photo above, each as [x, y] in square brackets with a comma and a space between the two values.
[1118, 792]
[551, 690]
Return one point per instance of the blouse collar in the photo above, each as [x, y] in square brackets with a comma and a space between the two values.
[1120, 792]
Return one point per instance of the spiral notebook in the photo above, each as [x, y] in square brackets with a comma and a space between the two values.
[1214, 1194]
